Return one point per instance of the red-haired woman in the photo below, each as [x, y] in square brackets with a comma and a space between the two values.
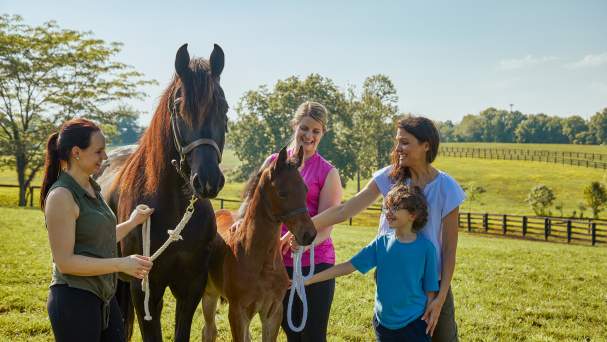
[83, 233]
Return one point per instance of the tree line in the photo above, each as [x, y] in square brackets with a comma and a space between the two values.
[498, 125]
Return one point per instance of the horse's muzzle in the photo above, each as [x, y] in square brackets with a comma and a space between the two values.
[207, 187]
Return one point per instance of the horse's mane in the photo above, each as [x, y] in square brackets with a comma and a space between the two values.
[149, 164]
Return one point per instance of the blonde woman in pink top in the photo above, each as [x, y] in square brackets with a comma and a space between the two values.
[324, 191]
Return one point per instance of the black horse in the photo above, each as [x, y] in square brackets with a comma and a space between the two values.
[177, 157]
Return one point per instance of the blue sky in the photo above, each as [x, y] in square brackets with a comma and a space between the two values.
[446, 58]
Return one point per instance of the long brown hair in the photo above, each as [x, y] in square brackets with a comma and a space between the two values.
[75, 132]
[424, 130]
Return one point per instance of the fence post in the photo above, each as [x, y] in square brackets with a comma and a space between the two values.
[504, 224]
[524, 226]
[568, 231]
[221, 203]
[593, 229]
[486, 221]
[469, 222]
[350, 221]
[546, 228]
[31, 196]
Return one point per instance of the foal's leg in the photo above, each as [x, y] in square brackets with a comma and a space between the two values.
[151, 331]
[209, 308]
[240, 320]
[270, 322]
[188, 292]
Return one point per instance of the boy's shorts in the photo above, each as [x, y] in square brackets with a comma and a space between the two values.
[414, 331]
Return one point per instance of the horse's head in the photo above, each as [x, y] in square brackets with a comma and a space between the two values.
[286, 192]
[199, 120]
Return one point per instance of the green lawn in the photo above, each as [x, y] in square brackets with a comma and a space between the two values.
[505, 289]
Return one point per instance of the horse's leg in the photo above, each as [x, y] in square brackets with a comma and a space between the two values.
[188, 292]
[150, 330]
[239, 323]
[270, 322]
[209, 308]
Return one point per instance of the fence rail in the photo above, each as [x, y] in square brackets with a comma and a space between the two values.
[558, 229]
[582, 159]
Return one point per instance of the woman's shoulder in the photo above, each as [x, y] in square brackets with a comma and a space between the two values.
[447, 180]
[383, 173]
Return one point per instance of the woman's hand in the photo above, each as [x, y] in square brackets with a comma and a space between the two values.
[285, 243]
[140, 214]
[432, 313]
[135, 265]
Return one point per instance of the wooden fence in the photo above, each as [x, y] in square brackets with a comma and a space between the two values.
[557, 229]
[582, 159]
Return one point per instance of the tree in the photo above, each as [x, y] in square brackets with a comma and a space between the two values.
[262, 126]
[128, 130]
[446, 130]
[373, 122]
[473, 192]
[573, 127]
[541, 128]
[595, 196]
[597, 127]
[48, 75]
[469, 129]
[540, 198]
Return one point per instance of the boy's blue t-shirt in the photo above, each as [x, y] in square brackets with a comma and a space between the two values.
[405, 272]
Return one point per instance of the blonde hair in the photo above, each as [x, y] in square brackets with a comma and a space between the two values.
[314, 110]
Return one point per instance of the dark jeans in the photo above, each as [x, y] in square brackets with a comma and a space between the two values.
[446, 327]
[414, 332]
[320, 298]
[77, 315]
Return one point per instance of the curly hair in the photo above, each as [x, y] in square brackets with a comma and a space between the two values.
[412, 199]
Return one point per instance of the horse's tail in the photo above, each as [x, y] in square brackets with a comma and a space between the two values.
[123, 296]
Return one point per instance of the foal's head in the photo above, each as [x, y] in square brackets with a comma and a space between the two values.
[285, 195]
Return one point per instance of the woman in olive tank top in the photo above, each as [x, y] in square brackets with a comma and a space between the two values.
[83, 233]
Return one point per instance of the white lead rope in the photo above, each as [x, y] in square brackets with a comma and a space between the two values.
[174, 235]
[297, 285]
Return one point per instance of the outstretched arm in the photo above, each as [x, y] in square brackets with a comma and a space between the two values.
[350, 208]
[330, 273]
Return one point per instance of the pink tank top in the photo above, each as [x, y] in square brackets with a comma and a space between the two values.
[314, 174]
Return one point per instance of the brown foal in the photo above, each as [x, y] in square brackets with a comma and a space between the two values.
[246, 265]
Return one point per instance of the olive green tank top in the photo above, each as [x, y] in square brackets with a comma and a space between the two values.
[95, 238]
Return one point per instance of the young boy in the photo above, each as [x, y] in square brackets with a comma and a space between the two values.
[406, 269]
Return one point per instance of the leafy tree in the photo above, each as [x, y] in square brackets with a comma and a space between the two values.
[597, 127]
[473, 192]
[540, 198]
[47, 75]
[127, 128]
[263, 123]
[595, 196]
[573, 127]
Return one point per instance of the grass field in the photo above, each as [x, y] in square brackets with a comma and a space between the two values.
[505, 290]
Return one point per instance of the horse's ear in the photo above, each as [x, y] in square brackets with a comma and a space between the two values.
[280, 161]
[217, 61]
[300, 154]
[182, 63]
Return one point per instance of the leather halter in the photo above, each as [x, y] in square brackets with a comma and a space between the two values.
[281, 217]
[183, 151]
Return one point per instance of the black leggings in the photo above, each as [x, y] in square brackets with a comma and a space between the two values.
[77, 315]
[320, 298]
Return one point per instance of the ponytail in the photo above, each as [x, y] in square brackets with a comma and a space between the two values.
[75, 132]
[52, 166]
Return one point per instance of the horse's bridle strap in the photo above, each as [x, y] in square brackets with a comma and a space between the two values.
[198, 142]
